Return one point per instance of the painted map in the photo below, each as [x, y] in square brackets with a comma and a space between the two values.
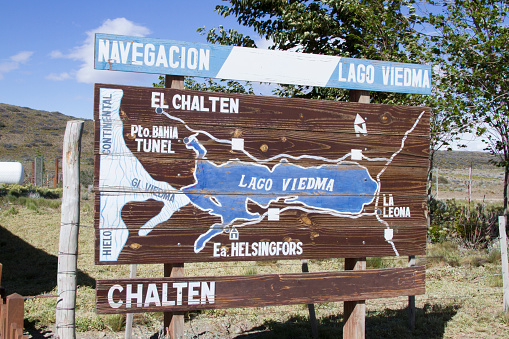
[225, 189]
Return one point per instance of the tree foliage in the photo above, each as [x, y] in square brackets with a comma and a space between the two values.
[377, 30]
[387, 30]
[472, 46]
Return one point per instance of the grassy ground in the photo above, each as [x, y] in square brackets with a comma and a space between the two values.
[463, 289]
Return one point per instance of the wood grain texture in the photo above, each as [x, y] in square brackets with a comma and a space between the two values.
[275, 113]
[261, 290]
[69, 231]
[388, 144]
[177, 245]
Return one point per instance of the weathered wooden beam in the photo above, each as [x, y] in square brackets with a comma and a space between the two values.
[354, 312]
[69, 231]
[174, 321]
[176, 244]
[199, 293]
[311, 307]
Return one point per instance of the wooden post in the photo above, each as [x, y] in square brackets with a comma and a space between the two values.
[174, 321]
[311, 307]
[469, 186]
[129, 316]
[69, 229]
[14, 315]
[436, 174]
[38, 171]
[55, 177]
[354, 312]
[354, 322]
[505, 265]
[411, 299]
[2, 291]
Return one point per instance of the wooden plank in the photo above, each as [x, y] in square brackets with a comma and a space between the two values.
[407, 211]
[159, 56]
[402, 192]
[177, 245]
[267, 144]
[394, 181]
[199, 293]
[261, 112]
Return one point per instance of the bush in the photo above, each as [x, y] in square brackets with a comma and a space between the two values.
[472, 226]
[29, 191]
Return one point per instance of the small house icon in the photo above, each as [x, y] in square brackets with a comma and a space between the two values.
[234, 234]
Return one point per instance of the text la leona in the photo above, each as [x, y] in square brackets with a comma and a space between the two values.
[391, 211]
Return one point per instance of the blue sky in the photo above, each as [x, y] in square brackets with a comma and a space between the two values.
[46, 58]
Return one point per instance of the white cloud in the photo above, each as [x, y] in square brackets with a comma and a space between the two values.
[14, 62]
[22, 57]
[85, 53]
[59, 77]
[264, 43]
[56, 54]
[473, 143]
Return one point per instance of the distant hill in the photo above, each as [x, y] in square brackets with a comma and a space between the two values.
[463, 159]
[26, 132]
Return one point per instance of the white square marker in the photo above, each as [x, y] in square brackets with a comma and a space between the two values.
[388, 234]
[237, 144]
[273, 214]
[356, 154]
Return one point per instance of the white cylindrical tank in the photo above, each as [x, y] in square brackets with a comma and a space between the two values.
[11, 173]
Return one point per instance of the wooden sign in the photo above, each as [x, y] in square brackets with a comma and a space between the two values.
[186, 176]
[200, 293]
[139, 54]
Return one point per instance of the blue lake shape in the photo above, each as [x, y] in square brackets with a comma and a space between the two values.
[225, 190]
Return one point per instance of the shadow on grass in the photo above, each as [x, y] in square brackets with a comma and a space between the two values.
[37, 333]
[27, 270]
[430, 323]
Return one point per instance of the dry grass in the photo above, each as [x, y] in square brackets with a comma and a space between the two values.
[463, 297]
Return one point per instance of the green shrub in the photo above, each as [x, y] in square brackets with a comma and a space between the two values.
[473, 226]
[30, 191]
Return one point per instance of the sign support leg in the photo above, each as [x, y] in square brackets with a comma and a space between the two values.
[411, 299]
[354, 318]
[311, 307]
[174, 321]
[129, 316]
[354, 314]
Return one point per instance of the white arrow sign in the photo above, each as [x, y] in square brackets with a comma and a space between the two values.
[360, 126]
